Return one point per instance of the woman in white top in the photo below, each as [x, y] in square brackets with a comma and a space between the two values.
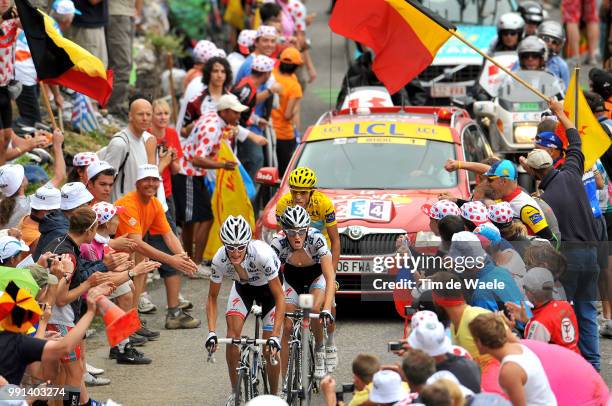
[521, 374]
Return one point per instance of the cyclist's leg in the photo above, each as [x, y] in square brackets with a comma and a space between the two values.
[317, 289]
[237, 309]
[269, 312]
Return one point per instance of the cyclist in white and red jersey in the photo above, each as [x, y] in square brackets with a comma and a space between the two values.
[307, 269]
[254, 268]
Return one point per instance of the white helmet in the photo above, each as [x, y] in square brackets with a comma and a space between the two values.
[235, 231]
[510, 21]
[532, 44]
[295, 217]
[552, 29]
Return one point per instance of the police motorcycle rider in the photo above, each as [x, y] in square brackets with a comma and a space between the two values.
[552, 33]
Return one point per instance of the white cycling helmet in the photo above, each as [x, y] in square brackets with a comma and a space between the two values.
[295, 217]
[532, 44]
[235, 231]
[552, 29]
[510, 21]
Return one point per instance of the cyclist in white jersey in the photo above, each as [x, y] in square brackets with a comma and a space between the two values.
[254, 267]
[308, 268]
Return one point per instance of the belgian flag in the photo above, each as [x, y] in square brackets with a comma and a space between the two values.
[404, 35]
[60, 61]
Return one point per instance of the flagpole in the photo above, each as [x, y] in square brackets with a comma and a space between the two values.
[48, 104]
[494, 62]
[576, 93]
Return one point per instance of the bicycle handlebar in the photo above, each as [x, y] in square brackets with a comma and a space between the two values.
[297, 315]
[242, 341]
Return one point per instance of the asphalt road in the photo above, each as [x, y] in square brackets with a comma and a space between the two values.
[179, 374]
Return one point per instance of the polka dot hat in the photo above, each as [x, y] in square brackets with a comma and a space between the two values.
[105, 211]
[84, 159]
[421, 317]
[475, 211]
[262, 63]
[203, 51]
[441, 209]
[501, 213]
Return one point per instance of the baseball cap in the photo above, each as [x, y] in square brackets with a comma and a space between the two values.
[595, 101]
[539, 159]
[266, 31]
[11, 246]
[489, 231]
[548, 139]
[502, 168]
[65, 7]
[74, 194]
[465, 244]
[444, 374]
[501, 213]
[97, 167]
[422, 316]
[601, 82]
[147, 171]
[474, 211]
[262, 63]
[230, 101]
[430, 337]
[441, 209]
[46, 197]
[538, 279]
[202, 51]
[42, 276]
[291, 55]
[106, 211]
[11, 178]
[246, 39]
[387, 387]
[84, 159]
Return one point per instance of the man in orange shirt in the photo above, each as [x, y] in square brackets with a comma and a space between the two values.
[144, 215]
[285, 119]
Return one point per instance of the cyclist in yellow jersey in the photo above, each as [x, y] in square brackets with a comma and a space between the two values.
[302, 192]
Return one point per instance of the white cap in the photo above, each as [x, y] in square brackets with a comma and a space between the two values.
[387, 387]
[430, 337]
[262, 63]
[46, 197]
[246, 39]
[230, 101]
[266, 400]
[11, 178]
[84, 159]
[449, 376]
[96, 167]
[422, 317]
[147, 171]
[74, 194]
[266, 31]
[65, 7]
[11, 246]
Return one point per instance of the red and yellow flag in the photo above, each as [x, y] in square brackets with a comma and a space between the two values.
[595, 141]
[60, 61]
[404, 35]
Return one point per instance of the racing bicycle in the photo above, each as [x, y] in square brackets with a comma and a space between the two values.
[252, 376]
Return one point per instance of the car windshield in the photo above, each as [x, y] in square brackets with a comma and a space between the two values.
[477, 12]
[400, 163]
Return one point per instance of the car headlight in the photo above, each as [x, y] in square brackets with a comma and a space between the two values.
[427, 239]
[525, 134]
[267, 234]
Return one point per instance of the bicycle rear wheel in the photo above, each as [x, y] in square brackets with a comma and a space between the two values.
[243, 388]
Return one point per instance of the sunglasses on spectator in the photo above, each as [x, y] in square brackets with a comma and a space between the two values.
[550, 40]
[509, 33]
[233, 248]
[295, 232]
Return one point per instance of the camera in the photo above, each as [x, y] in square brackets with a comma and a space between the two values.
[409, 311]
[342, 389]
[393, 346]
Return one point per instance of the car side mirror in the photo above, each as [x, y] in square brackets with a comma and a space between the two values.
[484, 109]
[268, 176]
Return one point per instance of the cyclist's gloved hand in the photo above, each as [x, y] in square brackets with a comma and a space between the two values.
[274, 344]
[211, 341]
[326, 317]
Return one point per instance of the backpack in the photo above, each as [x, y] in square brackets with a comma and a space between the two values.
[103, 152]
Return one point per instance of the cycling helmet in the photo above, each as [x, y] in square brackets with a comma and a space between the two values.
[552, 29]
[532, 44]
[302, 177]
[295, 217]
[532, 12]
[235, 231]
[510, 21]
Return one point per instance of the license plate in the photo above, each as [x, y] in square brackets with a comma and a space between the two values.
[448, 91]
[349, 266]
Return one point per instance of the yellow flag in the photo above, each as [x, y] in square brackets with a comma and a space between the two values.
[234, 14]
[229, 198]
[595, 141]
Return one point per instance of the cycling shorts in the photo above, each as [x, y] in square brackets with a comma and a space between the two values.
[241, 300]
[301, 279]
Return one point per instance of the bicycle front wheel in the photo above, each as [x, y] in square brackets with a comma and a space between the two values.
[293, 376]
[243, 388]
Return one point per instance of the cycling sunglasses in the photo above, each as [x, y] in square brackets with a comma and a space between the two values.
[550, 40]
[295, 232]
[509, 33]
[233, 248]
